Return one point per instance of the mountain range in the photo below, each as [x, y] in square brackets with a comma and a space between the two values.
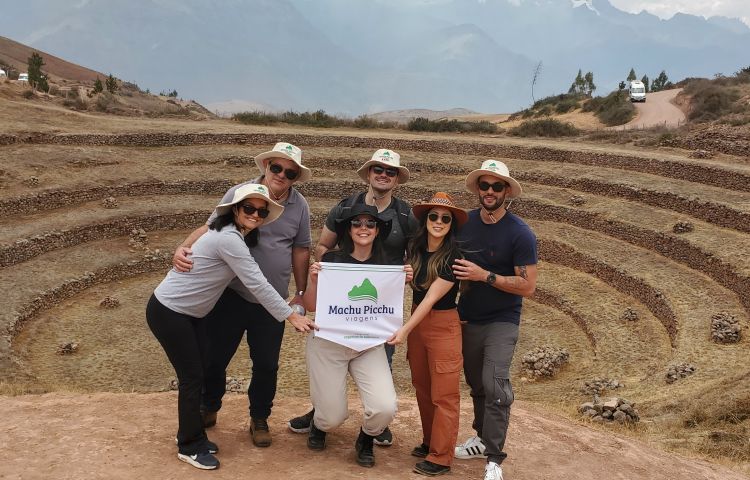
[362, 56]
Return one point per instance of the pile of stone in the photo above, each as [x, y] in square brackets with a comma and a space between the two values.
[31, 181]
[629, 315]
[700, 153]
[109, 202]
[683, 227]
[109, 302]
[577, 200]
[67, 348]
[676, 372]
[234, 385]
[239, 161]
[725, 328]
[138, 238]
[598, 386]
[613, 410]
[544, 361]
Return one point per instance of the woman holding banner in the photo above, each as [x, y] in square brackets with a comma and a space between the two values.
[360, 236]
[433, 332]
[177, 309]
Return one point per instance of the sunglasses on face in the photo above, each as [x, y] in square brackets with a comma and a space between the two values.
[497, 186]
[391, 172]
[249, 209]
[366, 223]
[289, 173]
[433, 217]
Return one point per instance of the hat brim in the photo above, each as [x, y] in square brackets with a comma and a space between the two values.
[421, 209]
[473, 177]
[384, 227]
[403, 172]
[274, 209]
[304, 175]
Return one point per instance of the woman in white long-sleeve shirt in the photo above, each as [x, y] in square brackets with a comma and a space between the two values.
[176, 309]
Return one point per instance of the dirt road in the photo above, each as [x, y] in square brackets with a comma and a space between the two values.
[126, 436]
[658, 109]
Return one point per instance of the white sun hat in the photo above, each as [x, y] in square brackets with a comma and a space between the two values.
[498, 169]
[386, 158]
[252, 190]
[288, 151]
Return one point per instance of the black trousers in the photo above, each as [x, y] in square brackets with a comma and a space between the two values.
[231, 318]
[184, 340]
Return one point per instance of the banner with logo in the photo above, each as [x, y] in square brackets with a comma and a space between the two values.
[359, 306]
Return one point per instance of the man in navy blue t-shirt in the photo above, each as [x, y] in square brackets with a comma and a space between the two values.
[500, 268]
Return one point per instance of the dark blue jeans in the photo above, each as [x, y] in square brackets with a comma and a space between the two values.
[232, 318]
[184, 341]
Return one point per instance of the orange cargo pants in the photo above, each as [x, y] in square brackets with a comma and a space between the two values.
[434, 354]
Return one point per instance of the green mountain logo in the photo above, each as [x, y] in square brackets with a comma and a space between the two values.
[386, 153]
[289, 148]
[366, 291]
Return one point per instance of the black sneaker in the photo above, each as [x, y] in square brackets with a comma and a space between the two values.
[316, 439]
[302, 423]
[212, 447]
[421, 451]
[204, 461]
[431, 469]
[385, 439]
[208, 418]
[363, 447]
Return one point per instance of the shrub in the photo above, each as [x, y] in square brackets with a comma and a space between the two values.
[711, 102]
[53, 90]
[421, 124]
[106, 102]
[28, 94]
[546, 127]
[76, 104]
[614, 109]
[256, 118]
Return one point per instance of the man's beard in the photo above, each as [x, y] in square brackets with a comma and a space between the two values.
[498, 203]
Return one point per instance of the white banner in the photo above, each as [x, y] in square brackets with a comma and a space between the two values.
[359, 306]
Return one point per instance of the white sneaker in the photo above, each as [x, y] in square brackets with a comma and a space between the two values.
[471, 448]
[493, 471]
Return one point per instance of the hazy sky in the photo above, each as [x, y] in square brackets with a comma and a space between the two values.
[707, 8]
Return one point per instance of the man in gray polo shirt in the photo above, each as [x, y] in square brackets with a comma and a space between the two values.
[283, 249]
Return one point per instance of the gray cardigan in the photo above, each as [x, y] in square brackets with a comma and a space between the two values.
[218, 257]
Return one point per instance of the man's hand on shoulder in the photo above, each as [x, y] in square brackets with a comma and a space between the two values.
[180, 260]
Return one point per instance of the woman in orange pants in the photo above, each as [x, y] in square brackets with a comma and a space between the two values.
[433, 331]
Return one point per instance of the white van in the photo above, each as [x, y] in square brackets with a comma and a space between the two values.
[2, 72]
[637, 91]
[23, 77]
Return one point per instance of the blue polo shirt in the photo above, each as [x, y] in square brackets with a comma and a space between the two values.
[497, 248]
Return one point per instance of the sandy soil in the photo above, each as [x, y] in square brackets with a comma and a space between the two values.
[125, 436]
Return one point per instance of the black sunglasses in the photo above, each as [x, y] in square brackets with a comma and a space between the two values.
[391, 172]
[250, 209]
[497, 186]
[289, 173]
[356, 223]
[444, 218]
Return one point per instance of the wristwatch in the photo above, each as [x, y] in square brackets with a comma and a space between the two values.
[491, 277]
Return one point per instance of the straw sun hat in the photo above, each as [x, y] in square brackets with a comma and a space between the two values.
[442, 200]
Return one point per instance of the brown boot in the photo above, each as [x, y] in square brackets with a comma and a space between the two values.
[259, 432]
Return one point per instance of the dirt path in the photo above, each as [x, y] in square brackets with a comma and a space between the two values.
[126, 436]
[658, 109]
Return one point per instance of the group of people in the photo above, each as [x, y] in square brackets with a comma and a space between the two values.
[231, 278]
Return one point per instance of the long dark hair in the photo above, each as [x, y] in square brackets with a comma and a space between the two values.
[218, 223]
[439, 260]
[346, 245]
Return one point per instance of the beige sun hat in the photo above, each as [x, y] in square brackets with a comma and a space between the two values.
[252, 190]
[288, 151]
[386, 158]
[498, 169]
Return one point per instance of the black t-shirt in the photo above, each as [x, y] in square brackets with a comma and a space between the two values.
[337, 256]
[447, 301]
[498, 248]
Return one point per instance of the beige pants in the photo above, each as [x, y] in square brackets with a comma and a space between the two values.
[327, 366]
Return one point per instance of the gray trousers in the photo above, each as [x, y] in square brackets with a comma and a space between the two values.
[488, 350]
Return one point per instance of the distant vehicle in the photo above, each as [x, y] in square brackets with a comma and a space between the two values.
[637, 91]
[23, 77]
[2, 72]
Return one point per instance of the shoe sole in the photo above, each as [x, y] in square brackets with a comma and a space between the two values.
[212, 451]
[381, 443]
[298, 430]
[315, 448]
[430, 474]
[187, 459]
[366, 465]
[469, 457]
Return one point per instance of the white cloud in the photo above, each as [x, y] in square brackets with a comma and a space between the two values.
[707, 8]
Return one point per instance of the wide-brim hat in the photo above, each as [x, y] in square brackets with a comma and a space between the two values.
[342, 224]
[253, 190]
[498, 169]
[288, 151]
[386, 158]
[442, 200]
